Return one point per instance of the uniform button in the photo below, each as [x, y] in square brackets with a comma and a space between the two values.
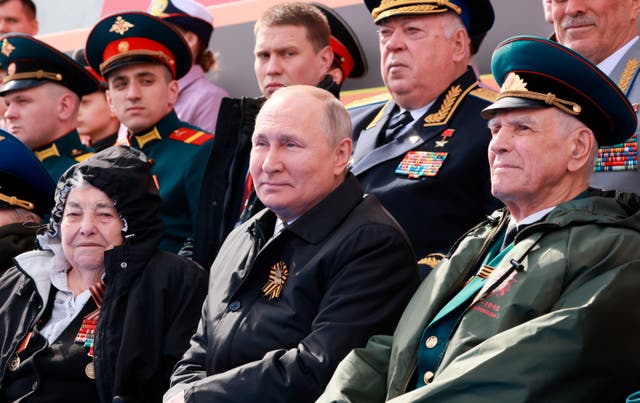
[234, 306]
[428, 376]
[431, 342]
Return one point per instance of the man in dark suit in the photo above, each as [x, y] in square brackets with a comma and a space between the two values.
[423, 152]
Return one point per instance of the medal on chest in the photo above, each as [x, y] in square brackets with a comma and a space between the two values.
[87, 333]
[278, 275]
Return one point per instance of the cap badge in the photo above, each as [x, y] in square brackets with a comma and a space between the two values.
[277, 277]
[123, 47]
[7, 48]
[158, 7]
[120, 26]
[515, 86]
[513, 83]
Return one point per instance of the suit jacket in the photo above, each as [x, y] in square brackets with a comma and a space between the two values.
[433, 210]
[349, 272]
[625, 74]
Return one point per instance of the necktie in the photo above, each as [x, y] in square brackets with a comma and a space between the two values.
[512, 231]
[397, 122]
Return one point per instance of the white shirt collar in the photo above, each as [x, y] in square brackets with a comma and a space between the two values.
[608, 64]
[530, 219]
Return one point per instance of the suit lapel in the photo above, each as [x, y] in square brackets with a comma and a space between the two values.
[368, 138]
[435, 120]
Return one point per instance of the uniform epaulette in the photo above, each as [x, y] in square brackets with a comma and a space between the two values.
[369, 100]
[190, 136]
[431, 260]
[485, 93]
[82, 157]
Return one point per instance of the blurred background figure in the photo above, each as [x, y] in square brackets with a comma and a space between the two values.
[97, 124]
[26, 195]
[198, 98]
[546, 7]
[99, 314]
[348, 57]
[15, 16]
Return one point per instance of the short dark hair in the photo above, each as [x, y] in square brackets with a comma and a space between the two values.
[298, 14]
[28, 6]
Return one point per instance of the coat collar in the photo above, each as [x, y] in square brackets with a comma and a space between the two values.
[317, 223]
[69, 145]
[162, 129]
[366, 155]
[626, 70]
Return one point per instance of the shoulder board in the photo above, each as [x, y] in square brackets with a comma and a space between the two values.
[431, 260]
[485, 93]
[190, 136]
[83, 157]
[369, 100]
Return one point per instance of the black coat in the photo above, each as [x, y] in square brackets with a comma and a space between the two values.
[351, 271]
[433, 210]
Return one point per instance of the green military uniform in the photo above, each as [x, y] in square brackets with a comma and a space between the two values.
[31, 63]
[178, 152]
[65, 151]
[546, 317]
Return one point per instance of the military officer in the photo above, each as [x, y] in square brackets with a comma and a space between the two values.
[535, 303]
[610, 40]
[42, 92]
[141, 57]
[26, 196]
[422, 151]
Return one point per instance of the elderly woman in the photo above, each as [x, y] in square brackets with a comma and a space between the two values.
[99, 314]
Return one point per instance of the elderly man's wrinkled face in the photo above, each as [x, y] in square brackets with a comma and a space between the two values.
[292, 162]
[595, 28]
[285, 56]
[528, 154]
[90, 225]
[417, 58]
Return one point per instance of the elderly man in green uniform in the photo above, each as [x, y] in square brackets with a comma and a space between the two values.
[141, 57]
[537, 304]
[42, 91]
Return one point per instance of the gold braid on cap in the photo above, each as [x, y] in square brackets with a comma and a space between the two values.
[514, 86]
[140, 52]
[38, 75]
[390, 8]
[14, 201]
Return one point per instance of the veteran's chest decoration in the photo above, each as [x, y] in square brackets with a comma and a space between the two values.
[277, 278]
[417, 164]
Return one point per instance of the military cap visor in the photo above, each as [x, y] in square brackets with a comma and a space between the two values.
[31, 63]
[534, 72]
[477, 15]
[346, 48]
[136, 37]
[24, 181]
